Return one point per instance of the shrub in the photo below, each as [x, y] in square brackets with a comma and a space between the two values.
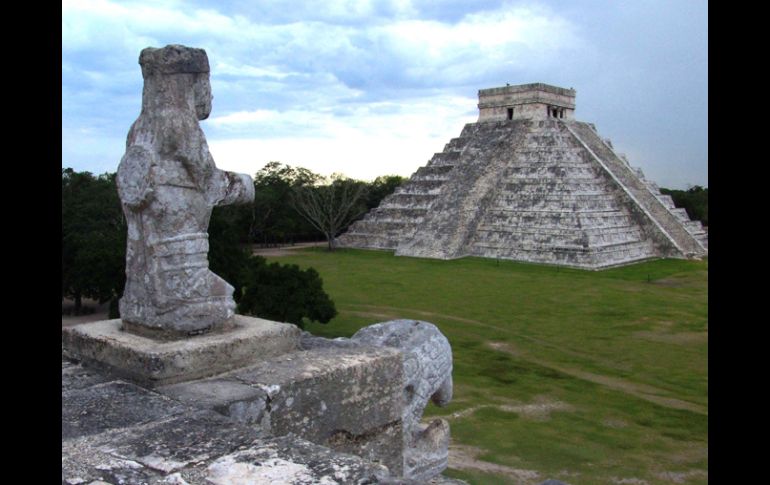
[284, 293]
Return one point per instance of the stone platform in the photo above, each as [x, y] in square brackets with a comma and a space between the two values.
[115, 432]
[153, 362]
[349, 400]
[309, 416]
[145, 409]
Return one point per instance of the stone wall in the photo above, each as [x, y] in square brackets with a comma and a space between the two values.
[115, 432]
[529, 101]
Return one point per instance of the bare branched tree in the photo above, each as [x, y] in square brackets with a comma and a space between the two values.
[330, 207]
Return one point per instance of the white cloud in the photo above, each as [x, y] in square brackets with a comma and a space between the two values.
[246, 117]
[273, 72]
[509, 37]
[286, 87]
[381, 75]
[376, 139]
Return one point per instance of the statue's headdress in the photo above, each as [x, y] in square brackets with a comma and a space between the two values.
[173, 59]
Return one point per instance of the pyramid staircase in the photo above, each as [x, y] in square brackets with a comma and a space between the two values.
[689, 237]
[539, 190]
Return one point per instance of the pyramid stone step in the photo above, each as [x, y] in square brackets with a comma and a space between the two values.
[561, 238]
[551, 185]
[667, 201]
[534, 220]
[695, 227]
[421, 187]
[704, 239]
[561, 171]
[681, 214]
[400, 212]
[448, 157]
[411, 199]
[632, 182]
[577, 257]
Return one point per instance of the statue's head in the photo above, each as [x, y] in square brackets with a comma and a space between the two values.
[180, 60]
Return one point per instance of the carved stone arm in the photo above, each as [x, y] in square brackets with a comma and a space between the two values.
[133, 179]
[237, 188]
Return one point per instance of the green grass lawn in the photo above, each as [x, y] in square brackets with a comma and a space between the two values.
[587, 377]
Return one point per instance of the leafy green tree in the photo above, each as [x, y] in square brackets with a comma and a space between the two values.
[331, 207]
[694, 200]
[285, 293]
[274, 221]
[380, 188]
[228, 255]
[93, 238]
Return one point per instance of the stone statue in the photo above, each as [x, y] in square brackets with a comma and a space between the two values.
[428, 376]
[168, 186]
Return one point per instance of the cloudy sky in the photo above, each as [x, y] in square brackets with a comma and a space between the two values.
[369, 88]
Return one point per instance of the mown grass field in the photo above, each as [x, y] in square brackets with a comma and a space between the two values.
[586, 377]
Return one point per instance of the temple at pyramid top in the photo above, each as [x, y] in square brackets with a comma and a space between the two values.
[529, 182]
[526, 101]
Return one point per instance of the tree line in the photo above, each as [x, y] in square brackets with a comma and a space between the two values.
[291, 205]
[296, 205]
[694, 200]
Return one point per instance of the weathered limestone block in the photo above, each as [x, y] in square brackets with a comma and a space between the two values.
[152, 362]
[114, 404]
[226, 395]
[143, 437]
[168, 185]
[75, 376]
[349, 399]
[288, 459]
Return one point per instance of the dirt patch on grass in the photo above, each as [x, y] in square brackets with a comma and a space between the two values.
[283, 250]
[401, 311]
[681, 338]
[504, 347]
[692, 453]
[98, 312]
[642, 391]
[384, 316]
[671, 282]
[463, 457]
[682, 477]
[628, 481]
[615, 423]
[540, 409]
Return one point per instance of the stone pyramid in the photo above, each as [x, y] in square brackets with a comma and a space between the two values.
[528, 182]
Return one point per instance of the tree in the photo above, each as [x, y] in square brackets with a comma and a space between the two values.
[330, 207]
[227, 255]
[285, 293]
[274, 220]
[380, 188]
[694, 200]
[93, 238]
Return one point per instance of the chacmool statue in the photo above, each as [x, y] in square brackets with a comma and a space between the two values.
[168, 186]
